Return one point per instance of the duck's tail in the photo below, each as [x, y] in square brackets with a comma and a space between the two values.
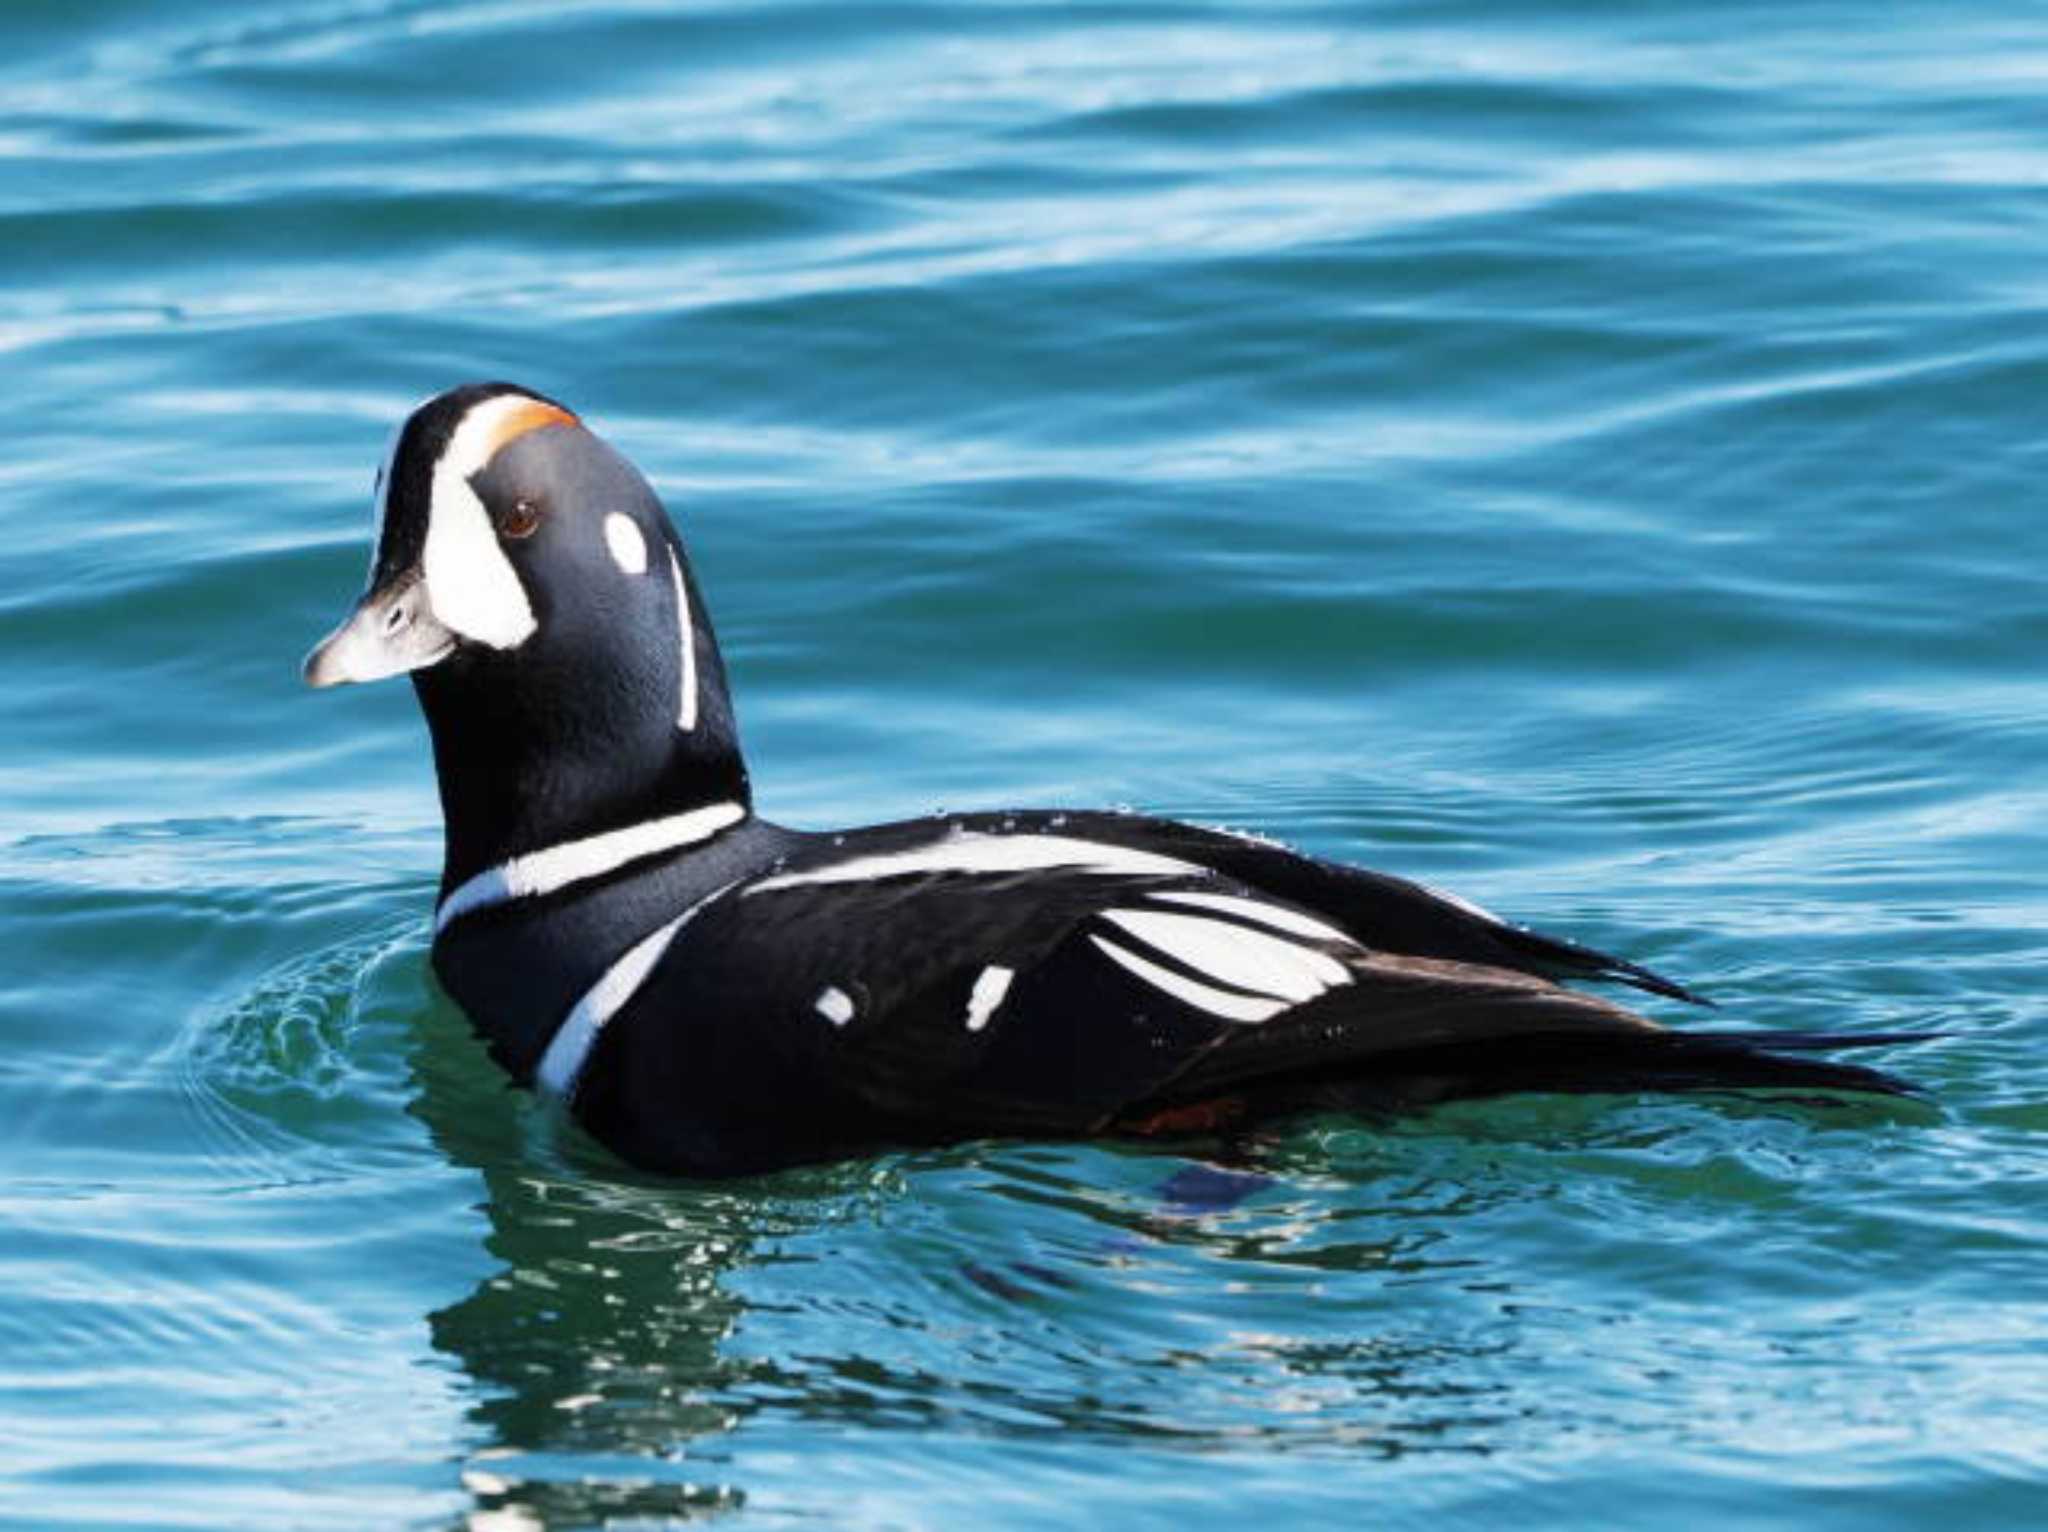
[1623, 1062]
[1613, 1062]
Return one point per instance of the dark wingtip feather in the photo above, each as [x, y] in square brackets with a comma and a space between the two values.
[1574, 960]
[1820, 1042]
[1682, 1061]
[1655, 983]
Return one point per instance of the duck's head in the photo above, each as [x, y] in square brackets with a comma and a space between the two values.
[529, 580]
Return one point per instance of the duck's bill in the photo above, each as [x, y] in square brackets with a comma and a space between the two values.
[391, 631]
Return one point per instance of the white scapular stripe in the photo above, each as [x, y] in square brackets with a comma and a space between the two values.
[1276, 916]
[543, 872]
[978, 851]
[989, 990]
[471, 585]
[628, 547]
[1234, 954]
[1215, 1001]
[835, 1005]
[686, 716]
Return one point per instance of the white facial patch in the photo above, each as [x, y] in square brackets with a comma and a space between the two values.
[471, 585]
[629, 548]
[835, 1005]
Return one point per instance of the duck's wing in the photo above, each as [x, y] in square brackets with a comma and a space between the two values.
[982, 984]
[1387, 913]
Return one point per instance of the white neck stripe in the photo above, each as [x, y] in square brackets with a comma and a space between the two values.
[557, 867]
[686, 712]
[562, 1065]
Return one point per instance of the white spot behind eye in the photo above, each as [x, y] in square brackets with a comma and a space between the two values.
[629, 548]
[835, 1005]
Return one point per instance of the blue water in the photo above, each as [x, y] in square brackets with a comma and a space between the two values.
[1586, 456]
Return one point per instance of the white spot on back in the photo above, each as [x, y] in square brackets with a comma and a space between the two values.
[686, 715]
[989, 990]
[975, 851]
[835, 1005]
[1215, 1001]
[471, 585]
[629, 548]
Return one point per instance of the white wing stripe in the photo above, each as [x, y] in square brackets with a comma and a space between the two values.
[543, 872]
[1235, 955]
[1214, 1001]
[977, 851]
[1278, 917]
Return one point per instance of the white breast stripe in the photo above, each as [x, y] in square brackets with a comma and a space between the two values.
[835, 1005]
[1276, 916]
[562, 1065]
[1235, 955]
[1215, 1001]
[543, 872]
[989, 989]
[686, 718]
[976, 851]
[471, 585]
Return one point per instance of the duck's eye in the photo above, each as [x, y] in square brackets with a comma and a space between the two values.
[520, 520]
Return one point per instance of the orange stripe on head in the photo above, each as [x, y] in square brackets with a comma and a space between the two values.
[527, 415]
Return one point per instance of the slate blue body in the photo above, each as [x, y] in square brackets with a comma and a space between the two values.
[804, 996]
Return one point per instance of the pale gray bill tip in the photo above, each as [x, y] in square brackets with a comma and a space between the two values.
[391, 631]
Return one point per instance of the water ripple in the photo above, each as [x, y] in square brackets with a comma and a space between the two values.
[1587, 461]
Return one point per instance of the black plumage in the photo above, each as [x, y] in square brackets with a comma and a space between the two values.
[715, 994]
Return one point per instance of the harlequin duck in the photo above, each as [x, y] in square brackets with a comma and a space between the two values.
[713, 994]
